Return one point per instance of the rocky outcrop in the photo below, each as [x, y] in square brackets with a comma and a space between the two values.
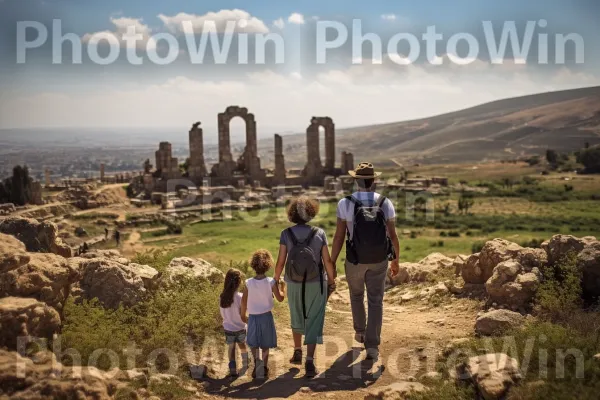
[511, 286]
[12, 253]
[24, 318]
[422, 271]
[588, 261]
[492, 374]
[560, 246]
[37, 236]
[192, 268]
[43, 378]
[45, 277]
[113, 283]
[497, 322]
[459, 263]
[479, 267]
[113, 255]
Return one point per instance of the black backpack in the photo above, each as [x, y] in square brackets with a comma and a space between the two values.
[302, 263]
[370, 243]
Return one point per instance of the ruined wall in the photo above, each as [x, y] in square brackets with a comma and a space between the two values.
[197, 167]
[347, 162]
[165, 162]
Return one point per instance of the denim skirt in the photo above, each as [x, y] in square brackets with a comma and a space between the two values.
[261, 331]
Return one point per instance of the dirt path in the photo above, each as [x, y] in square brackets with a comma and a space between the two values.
[133, 244]
[413, 334]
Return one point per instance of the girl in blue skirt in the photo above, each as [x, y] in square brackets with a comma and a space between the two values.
[257, 300]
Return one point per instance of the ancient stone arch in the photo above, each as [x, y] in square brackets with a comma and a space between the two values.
[315, 171]
[248, 164]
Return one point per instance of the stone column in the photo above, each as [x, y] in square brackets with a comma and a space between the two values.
[329, 145]
[224, 141]
[279, 161]
[102, 172]
[197, 168]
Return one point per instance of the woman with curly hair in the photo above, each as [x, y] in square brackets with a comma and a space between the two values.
[309, 276]
[257, 300]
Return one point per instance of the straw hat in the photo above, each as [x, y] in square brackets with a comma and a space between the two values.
[364, 170]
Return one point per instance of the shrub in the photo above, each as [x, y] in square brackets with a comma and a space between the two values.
[174, 228]
[454, 234]
[560, 292]
[159, 260]
[477, 246]
[189, 311]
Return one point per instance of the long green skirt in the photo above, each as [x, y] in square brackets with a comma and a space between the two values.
[312, 326]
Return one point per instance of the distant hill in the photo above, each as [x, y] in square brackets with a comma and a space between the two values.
[503, 129]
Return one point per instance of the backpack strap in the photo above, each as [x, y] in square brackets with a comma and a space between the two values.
[311, 235]
[292, 236]
[380, 202]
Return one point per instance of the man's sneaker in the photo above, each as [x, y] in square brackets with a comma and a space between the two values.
[310, 369]
[372, 354]
[297, 357]
[359, 337]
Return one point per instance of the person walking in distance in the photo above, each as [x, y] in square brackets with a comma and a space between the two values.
[118, 237]
[367, 220]
[105, 233]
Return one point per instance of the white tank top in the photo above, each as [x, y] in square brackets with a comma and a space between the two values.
[260, 295]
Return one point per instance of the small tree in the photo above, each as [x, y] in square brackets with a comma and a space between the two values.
[552, 157]
[590, 158]
[465, 202]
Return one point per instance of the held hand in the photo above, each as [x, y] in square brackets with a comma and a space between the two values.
[394, 268]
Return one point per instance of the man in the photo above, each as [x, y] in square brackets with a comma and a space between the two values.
[118, 237]
[105, 233]
[367, 219]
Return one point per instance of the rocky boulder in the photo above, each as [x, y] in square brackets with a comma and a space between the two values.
[397, 390]
[422, 271]
[12, 253]
[561, 245]
[511, 286]
[588, 261]
[113, 283]
[43, 378]
[479, 267]
[493, 374]
[25, 317]
[37, 236]
[497, 322]
[113, 255]
[458, 264]
[193, 268]
[46, 277]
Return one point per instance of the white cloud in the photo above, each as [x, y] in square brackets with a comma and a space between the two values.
[357, 95]
[245, 21]
[122, 25]
[296, 18]
[388, 17]
[279, 23]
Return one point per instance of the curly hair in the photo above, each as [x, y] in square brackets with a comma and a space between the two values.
[233, 280]
[302, 210]
[261, 261]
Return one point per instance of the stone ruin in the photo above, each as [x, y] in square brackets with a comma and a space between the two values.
[246, 170]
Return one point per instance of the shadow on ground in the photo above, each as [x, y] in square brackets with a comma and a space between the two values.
[345, 374]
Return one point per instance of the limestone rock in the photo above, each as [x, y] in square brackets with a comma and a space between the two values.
[113, 283]
[113, 255]
[436, 261]
[23, 317]
[46, 277]
[397, 390]
[459, 263]
[194, 268]
[497, 322]
[561, 245]
[588, 261]
[493, 374]
[37, 236]
[511, 286]
[12, 253]
[44, 379]
[471, 271]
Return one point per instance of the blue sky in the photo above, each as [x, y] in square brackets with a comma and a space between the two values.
[284, 96]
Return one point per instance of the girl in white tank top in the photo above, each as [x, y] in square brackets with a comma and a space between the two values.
[257, 300]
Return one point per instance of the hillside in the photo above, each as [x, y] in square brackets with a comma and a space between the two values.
[563, 121]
